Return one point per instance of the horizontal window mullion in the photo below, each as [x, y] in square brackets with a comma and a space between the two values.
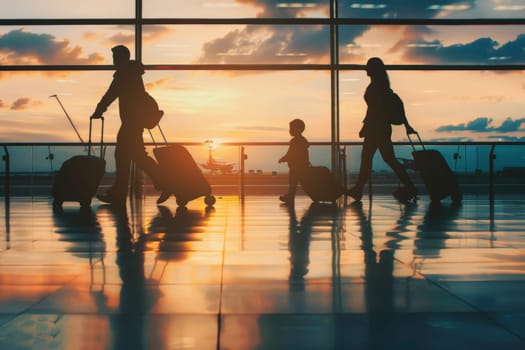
[267, 21]
[21, 68]
[408, 67]
[169, 67]
[72, 21]
[443, 67]
[431, 21]
[239, 66]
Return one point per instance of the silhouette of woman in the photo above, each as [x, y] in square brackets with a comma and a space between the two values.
[377, 132]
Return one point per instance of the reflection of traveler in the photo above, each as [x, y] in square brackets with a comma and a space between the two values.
[377, 131]
[296, 157]
[74, 224]
[128, 87]
[383, 293]
[397, 234]
[138, 295]
[322, 216]
[378, 272]
[438, 221]
[379, 282]
[299, 245]
[181, 229]
[129, 321]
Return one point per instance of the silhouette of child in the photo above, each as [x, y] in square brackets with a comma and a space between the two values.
[297, 159]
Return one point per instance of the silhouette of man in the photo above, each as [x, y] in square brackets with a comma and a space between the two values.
[377, 132]
[297, 159]
[128, 87]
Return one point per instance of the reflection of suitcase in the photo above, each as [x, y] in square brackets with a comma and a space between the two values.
[319, 183]
[439, 179]
[185, 177]
[79, 176]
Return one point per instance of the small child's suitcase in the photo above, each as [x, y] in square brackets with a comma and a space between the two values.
[186, 179]
[319, 183]
[79, 176]
[439, 179]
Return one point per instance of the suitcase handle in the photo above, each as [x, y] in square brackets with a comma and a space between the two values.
[412, 142]
[101, 136]
[161, 132]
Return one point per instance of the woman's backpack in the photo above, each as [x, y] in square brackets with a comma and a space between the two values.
[396, 109]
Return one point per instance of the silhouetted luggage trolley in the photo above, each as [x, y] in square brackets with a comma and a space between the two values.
[187, 182]
[79, 176]
[320, 185]
[439, 179]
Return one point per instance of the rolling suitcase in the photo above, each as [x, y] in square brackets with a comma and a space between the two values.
[79, 176]
[320, 185]
[186, 179]
[437, 176]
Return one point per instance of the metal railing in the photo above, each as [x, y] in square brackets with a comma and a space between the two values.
[342, 171]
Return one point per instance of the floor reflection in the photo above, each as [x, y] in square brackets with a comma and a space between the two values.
[318, 220]
[7, 220]
[379, 267]
[256, 275]
[82, 230]
[379, 273]
[438, 222]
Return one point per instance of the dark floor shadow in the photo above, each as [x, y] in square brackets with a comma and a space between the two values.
[321, 215]
[83, 233]
[433, 232]
[138, 293]
[277, 331]
[175, 232]
[7, 217]
[299, 235]
[379, 266]
[379, 280]
[82, 230]
[398, 232]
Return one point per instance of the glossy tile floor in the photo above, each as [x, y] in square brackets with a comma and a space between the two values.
[254, 274]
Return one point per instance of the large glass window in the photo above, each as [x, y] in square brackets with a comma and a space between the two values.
[237, 44]
[433, 44]
[30, 113]
[235, 9]
[62, 45]
[444, 105]
[198, 105]
[426, 9]
[240, 70]
[241, 105]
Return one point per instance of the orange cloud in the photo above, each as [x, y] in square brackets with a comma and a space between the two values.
[23, 103]
[122, 39]
[157, 83]
[125, 36]
[153, 33]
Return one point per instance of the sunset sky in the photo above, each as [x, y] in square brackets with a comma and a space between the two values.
[257, 105]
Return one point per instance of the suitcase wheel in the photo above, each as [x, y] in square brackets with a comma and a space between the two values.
[402, 195]
[85, 204]
[57, 205]
[435, 199]
[456, 197]
[209, 200]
